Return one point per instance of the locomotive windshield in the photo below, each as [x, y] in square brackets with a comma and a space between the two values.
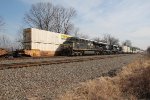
[67, 42]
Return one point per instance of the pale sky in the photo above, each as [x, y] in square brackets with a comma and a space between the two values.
[124, 19]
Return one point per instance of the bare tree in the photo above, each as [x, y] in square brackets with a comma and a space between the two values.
[62, 19]
[148, 50]
[19, 39]
[5, 42]
[127, 43]
[76, 31]
[40, 16]
[107, 38]
[98, 39]
[81, 35]
[48, 17]
[2, 23]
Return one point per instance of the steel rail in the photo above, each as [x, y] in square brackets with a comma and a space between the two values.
[22, 58]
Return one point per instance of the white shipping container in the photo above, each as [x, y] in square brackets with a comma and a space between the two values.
[126, 49]
[43, 40]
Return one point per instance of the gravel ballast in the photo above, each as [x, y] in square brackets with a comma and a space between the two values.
[46, 82]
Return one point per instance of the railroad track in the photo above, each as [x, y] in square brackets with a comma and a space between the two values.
[22, 58]
[40, 63]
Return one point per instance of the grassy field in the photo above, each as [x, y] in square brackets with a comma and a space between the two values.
[132, 83]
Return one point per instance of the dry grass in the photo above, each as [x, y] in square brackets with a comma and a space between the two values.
[99, 89]
[2, 52]
[135, 79]
[132, 83]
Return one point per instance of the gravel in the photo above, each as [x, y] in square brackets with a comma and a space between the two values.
[46, 82]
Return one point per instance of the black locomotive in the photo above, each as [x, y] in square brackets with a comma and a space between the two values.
[78, 46]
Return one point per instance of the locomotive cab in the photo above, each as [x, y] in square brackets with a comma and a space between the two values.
[77, 46]
[66, 47]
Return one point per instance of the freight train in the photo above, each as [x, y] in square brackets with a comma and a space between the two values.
[39, 43]
[44, 43]
[74, 46]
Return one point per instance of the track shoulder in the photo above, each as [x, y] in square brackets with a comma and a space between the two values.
[47, 81]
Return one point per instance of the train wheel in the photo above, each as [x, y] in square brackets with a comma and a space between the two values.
[73, 53]
[95, 53]
[79, 54]
[82, 53]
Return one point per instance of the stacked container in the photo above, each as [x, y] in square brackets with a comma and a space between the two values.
[46, 43]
